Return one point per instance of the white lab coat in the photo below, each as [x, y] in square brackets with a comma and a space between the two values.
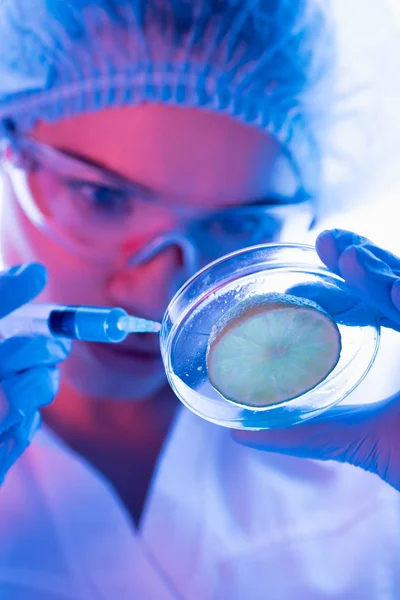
[222, 522]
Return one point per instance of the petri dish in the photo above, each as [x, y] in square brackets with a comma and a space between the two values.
[280, 268]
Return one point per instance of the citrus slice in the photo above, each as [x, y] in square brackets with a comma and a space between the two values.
[271, 348]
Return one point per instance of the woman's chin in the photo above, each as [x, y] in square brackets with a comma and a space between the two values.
[104, 371]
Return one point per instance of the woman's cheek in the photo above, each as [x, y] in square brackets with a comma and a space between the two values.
[70, 279]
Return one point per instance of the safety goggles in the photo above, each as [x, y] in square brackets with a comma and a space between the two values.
[106, 218]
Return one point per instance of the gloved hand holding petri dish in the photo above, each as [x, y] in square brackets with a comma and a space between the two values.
[262, 338]
[267, 337]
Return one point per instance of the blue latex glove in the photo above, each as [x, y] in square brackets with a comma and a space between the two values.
[369, 437]
[29, 377]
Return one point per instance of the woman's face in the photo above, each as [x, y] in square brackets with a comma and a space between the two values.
[199, 158]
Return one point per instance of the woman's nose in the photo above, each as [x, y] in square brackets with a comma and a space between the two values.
[189, 253]
[150, 277]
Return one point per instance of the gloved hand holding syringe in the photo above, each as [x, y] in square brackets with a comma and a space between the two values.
[34, 341]
[87, 323]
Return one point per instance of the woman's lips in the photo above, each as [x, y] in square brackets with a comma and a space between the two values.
[126, 358]
[145, 344]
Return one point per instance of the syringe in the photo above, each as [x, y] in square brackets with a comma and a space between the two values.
[88, 323]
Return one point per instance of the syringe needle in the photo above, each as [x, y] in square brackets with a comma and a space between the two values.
[131, 324]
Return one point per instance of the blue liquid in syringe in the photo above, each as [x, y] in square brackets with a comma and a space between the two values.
[88, 323]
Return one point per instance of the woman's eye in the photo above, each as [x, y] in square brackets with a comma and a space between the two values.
[241, 227]
[103, 199]
[237, 226]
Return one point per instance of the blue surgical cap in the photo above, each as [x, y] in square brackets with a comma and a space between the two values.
[269, 63]
[255, 60]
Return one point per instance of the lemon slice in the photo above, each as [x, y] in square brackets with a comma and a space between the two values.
[272, 348]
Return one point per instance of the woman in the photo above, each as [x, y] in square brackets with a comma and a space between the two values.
[142, 140]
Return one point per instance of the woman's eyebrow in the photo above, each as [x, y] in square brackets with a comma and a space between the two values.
[274, 200]
[106, 171]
